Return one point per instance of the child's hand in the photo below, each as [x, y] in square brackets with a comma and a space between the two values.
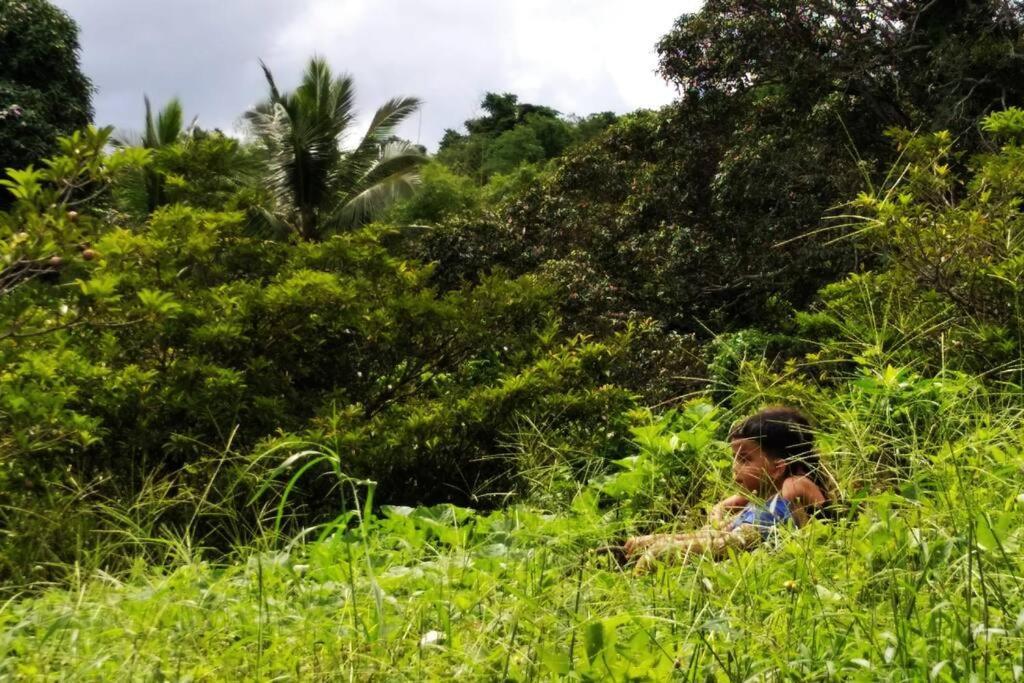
[639, 544]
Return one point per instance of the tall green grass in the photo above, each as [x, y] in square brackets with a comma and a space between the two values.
[919, 579]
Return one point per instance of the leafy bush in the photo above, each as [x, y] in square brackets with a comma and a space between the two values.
[159, 337]
[679, 454]
[441, 197]
[446, 435]
[949, 293]
[731, 353]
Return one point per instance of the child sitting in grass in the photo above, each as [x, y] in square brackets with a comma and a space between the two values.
[777, 468]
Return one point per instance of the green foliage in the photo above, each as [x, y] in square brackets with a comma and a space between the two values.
[537, 138]
[731, 352]
[920, 584]
[502, 113]
[211, 170]
[955, 64]
[954, 258]
[1006, 124]
[450, 433]
[43, 93]
[166, 128]
[873, 319]
[466, 239]
[236, 410]
[707, 215]
[153, 338]
[160, 133]
[678, 456]
[589, 127]
[443, 196]
[669, 215]
[510, 135]
[512, 148]
[505, 187]
[45, 236]
[206, 170]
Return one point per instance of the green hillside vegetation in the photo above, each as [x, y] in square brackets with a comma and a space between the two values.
[283, 408]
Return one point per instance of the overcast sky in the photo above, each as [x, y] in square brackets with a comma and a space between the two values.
[579, 56]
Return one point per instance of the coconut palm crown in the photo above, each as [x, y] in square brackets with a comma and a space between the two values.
[318, 187]
[160, 131]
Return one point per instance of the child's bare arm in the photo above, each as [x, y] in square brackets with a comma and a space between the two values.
[801, 493]
[719, 514]
[638, 545]
[723, 508]
[712, 542]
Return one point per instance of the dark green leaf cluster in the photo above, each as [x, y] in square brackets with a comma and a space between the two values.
[43, 93]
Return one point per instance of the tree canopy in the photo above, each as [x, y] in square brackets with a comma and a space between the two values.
[510, 133]
[43, 92]
[713, 213]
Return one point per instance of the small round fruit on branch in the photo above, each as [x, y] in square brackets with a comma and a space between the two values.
[56, 261]
[90, 254]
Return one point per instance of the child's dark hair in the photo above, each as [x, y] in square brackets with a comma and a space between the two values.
[786, 434]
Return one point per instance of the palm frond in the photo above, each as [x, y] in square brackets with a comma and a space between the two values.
[361, 207]
[382, 127]
[313, 182]
[342, 104]
[149, 136]
[126, 138]
[367, 154]
[325, 102]
[389, 116]
[273, 223]
[275, 94]
[166, 128]
[395, 157]
[275, 130]
[170, 123]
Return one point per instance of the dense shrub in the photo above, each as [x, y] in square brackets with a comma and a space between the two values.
[158, 339]
[946, 294]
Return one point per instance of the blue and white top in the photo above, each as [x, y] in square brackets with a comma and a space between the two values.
[774, 512]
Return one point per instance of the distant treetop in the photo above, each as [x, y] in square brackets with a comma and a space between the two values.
[511, 133]
[43, 93]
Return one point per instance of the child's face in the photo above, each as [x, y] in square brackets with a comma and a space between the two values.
[753, 469]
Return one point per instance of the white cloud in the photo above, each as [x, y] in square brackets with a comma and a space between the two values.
[596, 53]
[578, 56]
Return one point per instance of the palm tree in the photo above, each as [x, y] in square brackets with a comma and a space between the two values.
[318, 187]
[167, 128]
